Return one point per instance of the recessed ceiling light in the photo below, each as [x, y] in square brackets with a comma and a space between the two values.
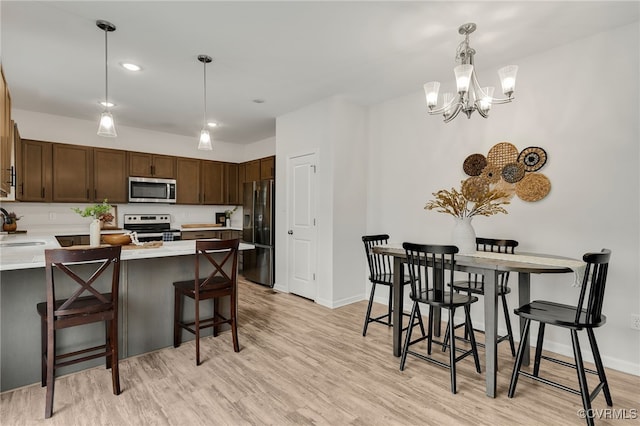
[258, 101]
[107, 104]
[130, 67]
[212, 124]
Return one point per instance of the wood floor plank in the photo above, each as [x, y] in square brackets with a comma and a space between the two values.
[301, 363]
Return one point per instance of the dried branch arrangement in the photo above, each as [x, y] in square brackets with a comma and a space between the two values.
[453, 202]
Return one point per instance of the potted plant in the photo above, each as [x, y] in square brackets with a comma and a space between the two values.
[100, 213]
[228, 214]
[10, 221]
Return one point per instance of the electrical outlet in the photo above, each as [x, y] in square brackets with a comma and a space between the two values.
[635, 321]
[52, 216]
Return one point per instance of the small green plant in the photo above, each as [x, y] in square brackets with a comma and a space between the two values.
[10, 218]
[229, 213]
[97, 211]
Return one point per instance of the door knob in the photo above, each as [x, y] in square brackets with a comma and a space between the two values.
[290, 232]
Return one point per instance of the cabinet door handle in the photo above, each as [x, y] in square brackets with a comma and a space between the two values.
[42, 192]
[95, 194]
[153, 170]
[87, 193]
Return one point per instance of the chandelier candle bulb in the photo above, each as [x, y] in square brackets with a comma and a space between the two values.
[431, 92]
[463, 77]
[508, 79]
[487, 97]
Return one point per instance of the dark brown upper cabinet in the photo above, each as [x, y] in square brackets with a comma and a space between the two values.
[152, 165]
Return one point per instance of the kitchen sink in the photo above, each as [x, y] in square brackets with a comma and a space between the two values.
[21, 243]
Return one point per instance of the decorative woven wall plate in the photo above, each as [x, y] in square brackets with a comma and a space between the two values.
[474, 164]
[533, 187]
[492, 173]
[533, 158]
[474, 188]
[502, 154]
[513, 172]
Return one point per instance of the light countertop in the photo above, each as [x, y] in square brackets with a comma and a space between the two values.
[31, 255]
[211, 228]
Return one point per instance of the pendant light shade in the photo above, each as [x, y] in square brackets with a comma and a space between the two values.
[107, 126]
[205, 143]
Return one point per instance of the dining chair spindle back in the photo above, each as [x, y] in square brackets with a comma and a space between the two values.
[429, 267]
[381, 273]
[585, 315]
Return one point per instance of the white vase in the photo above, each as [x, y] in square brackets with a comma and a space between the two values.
[94, 233]
[227, 223]
[464, 236]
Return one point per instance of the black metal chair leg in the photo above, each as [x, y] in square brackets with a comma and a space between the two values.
[518, 364]
[445, 341]
[472, 337]
[582, 378]
[539, 344]
[420, 323]
[430, 335]
[452, 350]
[390, 308]
[407, 339]
[507, 321]
[366, 318]
[599, 366]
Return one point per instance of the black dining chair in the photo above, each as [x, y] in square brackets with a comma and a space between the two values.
[381, 273]
[429, 266]
[85, 305]
[474, 284]
[586, 315]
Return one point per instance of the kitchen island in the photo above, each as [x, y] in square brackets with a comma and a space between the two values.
[146, 303]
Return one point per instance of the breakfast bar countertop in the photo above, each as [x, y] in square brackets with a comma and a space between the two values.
[26, 251]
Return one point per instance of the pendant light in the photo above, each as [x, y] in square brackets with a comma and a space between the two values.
[107, 126]
[205, 138]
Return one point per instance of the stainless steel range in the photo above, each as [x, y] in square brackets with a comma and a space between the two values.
[151, 227]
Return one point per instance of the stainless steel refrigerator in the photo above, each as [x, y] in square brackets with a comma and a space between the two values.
[258, 229]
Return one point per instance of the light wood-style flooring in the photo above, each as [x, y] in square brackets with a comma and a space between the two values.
[301, 363]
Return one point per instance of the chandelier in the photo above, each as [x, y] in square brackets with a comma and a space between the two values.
[471, 96]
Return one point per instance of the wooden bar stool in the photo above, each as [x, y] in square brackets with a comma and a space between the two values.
[221, 282]
[56, 314]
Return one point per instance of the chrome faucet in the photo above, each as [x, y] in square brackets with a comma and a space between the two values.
[5, 215]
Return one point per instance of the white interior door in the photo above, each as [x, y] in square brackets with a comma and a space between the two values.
[302, 240]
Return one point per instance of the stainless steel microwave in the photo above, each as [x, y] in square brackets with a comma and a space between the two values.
[151, 190]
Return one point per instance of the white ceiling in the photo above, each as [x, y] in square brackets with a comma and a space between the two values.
[289, 53]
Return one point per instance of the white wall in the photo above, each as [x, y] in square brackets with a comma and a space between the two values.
[580, 103]
[335, 130]
[259, 149]
[349, 143]
[54, 128]
[298, 133]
